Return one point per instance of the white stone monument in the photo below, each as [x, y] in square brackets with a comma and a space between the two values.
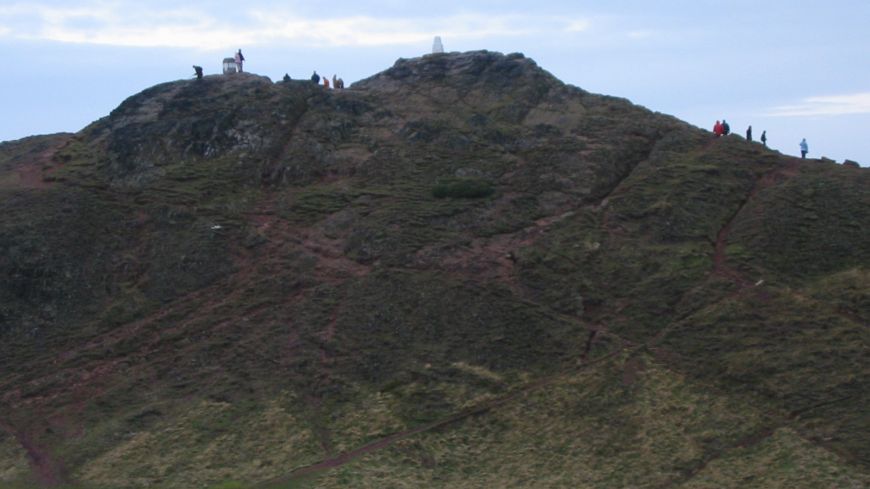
[437, 47]
[230, 66]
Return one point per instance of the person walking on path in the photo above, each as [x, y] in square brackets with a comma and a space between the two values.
[198, 72]
[717, 129]
[239, 58]
[749, 134]
[804, 148]
[764, 138]
[726, 129]
[315, 78]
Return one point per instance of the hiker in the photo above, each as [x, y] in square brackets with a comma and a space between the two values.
[315, 78]
[804, 148]
[239, 59]
[334, 81]
[749, 134]
[764, 138]
[198, 71]
[286, 77]
[717, 129]
[726, 129]
[326, 83]
[340, 83]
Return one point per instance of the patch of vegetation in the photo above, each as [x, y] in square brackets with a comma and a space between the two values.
[808, 225]
[801, 355]
[595, 429]
[462, 188]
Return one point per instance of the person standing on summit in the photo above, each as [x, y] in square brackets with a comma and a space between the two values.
[315, 78]
[717, 129]
[804, 148]
[239, 58]
[749, 133]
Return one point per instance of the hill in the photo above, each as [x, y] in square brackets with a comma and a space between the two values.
[459, 272]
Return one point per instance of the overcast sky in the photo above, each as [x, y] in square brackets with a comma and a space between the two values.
[795, 69]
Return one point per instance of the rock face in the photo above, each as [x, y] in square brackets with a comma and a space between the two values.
[459, 272]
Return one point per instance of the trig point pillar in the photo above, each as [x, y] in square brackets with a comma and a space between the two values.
[437, 47]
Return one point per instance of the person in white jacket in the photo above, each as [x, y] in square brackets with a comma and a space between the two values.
[804, 148]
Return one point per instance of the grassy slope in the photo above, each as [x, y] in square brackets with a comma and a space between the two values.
[340, 302]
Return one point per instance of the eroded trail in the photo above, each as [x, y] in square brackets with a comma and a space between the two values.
[48, 470]
[33, 173]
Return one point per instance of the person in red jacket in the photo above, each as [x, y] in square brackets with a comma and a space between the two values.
[718, 129]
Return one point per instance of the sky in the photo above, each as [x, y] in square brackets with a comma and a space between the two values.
[795, 69]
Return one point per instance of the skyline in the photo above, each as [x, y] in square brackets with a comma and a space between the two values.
[795, 71]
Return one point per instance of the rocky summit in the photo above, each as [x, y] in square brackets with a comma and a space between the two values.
[458, 273]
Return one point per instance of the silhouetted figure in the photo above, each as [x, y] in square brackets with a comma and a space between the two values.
[804, 148]
[239, 59]
[340, 83]
[315, 77]
[198, 71]
[717, 129]
[286, 77]
[764, 138]
[749, 133]
[326, 83]
[726, 129]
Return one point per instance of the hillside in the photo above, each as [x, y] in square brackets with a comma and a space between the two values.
[459, 272]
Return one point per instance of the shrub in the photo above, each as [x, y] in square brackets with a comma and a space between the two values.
[462, 188]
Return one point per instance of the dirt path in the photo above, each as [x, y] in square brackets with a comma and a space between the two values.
[32, 173]
[49, 471]
[753, 439]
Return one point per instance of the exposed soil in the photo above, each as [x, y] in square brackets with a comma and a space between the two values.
[32, 174]
[49, 471]
[632, 369]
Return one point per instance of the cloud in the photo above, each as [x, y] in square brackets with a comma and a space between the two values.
[580, 25]
[130, 24]
[831, 105]
[370, 31]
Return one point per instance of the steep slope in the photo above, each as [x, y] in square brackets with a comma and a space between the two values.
[458, 273]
